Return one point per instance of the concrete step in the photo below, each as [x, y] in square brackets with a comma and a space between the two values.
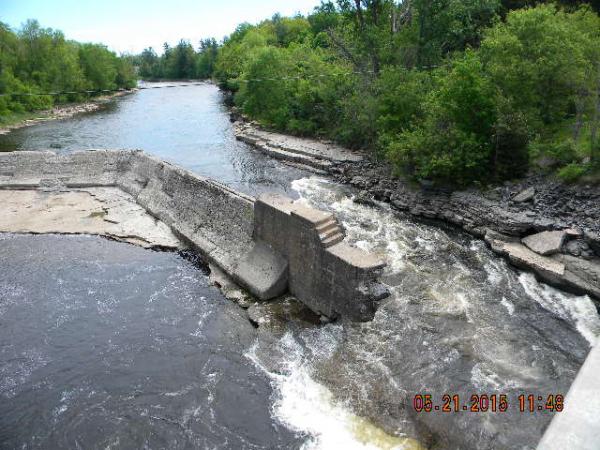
[329, 233]
[327, 226]
[335, 239]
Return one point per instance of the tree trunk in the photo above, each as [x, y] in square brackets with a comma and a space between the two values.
[595, 122]
[359, 15]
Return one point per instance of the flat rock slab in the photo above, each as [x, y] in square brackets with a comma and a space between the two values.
[522, 256]
[104, 211]
[525, 195]
[302, 146]
[546, 243]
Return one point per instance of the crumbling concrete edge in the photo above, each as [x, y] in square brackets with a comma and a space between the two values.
[308, 258]
[578, 425]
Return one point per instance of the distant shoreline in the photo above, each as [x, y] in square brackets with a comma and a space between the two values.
[62, 111]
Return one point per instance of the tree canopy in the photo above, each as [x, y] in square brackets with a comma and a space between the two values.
[41, 60]
[452, 91]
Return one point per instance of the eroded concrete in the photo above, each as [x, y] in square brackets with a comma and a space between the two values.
[103, 211]
[304, 253]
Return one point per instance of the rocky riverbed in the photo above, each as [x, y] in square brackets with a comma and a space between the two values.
[502, 215]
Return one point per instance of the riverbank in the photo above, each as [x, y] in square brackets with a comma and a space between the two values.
[538, 223]
[65, 111]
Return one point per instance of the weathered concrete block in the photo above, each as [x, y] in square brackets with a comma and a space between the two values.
[336, 280]
[578, 425]
[268, 246]
[264, 271]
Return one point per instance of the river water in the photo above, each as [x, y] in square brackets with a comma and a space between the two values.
[78, 371]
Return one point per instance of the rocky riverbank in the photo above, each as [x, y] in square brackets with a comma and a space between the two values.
[538, 223]
[64, 111]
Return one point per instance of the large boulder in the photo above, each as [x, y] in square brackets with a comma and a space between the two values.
[546, 243]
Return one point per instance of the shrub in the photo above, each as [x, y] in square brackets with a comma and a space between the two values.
[572, 172]
[453, 144]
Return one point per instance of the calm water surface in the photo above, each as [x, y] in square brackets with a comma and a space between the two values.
[107, 345]
[185, 125]
[79, 371]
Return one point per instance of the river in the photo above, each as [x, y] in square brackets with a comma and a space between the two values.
[77, 369]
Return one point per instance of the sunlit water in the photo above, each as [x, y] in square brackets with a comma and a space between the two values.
[459, 321]
[188, 125]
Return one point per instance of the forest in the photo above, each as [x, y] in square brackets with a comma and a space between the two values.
[36, 60]
[451, 92]
[454, 92]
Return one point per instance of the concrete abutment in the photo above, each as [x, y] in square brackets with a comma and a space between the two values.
[269, 246]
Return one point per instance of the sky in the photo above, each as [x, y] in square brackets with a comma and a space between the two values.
[129, 26]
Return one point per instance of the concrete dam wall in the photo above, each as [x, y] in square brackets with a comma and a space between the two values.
[269, 246]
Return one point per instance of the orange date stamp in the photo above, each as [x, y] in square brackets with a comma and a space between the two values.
[484, 403]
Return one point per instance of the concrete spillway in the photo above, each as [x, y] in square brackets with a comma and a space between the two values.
[269, 245]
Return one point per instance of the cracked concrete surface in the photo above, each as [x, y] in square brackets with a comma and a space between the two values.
[104, 211]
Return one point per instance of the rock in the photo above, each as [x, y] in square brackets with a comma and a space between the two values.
[364, 198]
[279, 313]
[593, 240]
[543, 224]
[573, 248]
[546, 243]
[521, 256]
[491, 235]
[546, 162]
[574, 232]
[525, 195]
[361, 182]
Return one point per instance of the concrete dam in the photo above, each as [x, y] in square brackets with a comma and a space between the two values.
[270, 245]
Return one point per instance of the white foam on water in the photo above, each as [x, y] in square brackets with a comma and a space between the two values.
[307, 407]
[508, 305]
[376, 231]
[578, 310]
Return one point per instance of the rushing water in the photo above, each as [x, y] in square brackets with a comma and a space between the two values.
[459, 321]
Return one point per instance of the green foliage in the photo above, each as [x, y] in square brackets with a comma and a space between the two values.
[207, 56]
[544, 59]
[446, 26]
[266, 100]
[452, 144]
[564, 151]
[509, 75]
[572, 172]
[40, 60]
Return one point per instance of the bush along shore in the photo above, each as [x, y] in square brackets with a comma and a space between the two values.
[449, 103]
[538, 223]
[64, 111]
